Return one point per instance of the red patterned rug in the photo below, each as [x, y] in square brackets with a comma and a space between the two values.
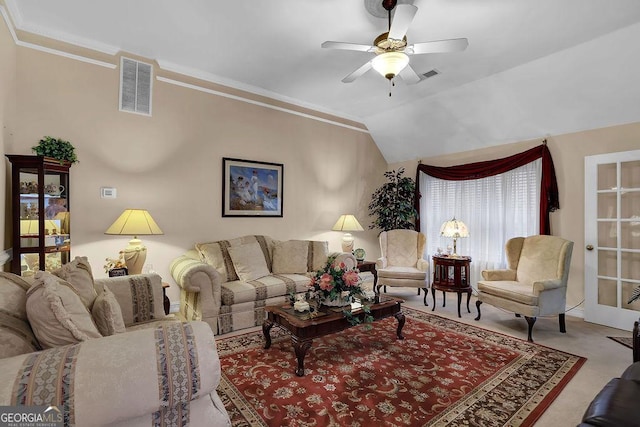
[444, 373]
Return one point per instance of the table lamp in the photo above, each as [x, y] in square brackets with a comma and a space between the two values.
[134, 222]
[347, 223]
[454, 229]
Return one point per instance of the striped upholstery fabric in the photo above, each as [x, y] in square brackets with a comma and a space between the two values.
[199, 289]
[212, 292]
[217, 255]
[140, 297]
[243, 302]
[165, 375]
[47, 378]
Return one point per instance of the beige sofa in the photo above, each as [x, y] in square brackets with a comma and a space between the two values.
[157, 371]
[228, 283]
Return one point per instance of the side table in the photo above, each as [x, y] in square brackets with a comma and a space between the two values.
[165, 298]
[451, 274]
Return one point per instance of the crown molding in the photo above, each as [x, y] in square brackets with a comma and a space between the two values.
[15, 20]
[14, 12]
[19, 42]
[10, 27]
[258, 103]
[22, 25]
[234, 84]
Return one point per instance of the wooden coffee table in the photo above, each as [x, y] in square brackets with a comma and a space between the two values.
[303, 329]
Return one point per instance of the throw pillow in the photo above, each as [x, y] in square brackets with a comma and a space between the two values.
[78, 274]
[318, 254]
[16, 337]
[291, 257]
[56, 312]
[217, 255]
[248, 261]
[107, 314]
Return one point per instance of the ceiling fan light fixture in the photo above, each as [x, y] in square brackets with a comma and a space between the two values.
[389, 64]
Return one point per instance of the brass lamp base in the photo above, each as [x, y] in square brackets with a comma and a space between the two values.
[455, 251]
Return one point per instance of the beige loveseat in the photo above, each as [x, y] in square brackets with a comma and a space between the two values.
[228, 283]
[153, 369]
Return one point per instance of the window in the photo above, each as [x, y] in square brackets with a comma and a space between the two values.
[494, 209]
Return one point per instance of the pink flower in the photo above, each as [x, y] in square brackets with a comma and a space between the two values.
[326, 282]
[340, 266]
[351, 278]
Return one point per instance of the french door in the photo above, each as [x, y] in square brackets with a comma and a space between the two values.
[612, 238]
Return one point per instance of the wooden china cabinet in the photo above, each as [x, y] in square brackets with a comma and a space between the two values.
[39, 213]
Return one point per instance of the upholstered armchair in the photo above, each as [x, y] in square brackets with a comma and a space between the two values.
[401, 263]
[535, 282]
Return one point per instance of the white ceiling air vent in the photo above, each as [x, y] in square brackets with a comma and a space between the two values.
[135, 86]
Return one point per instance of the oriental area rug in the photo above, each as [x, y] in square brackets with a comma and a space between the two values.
[625, 341]
[444, 373]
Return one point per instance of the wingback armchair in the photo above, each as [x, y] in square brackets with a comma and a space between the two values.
[535, 282]
[401, 263]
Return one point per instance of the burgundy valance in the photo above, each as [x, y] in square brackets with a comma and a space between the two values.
[548, 190]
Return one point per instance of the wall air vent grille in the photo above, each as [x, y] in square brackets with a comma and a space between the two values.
[429, 74]
[135, 86]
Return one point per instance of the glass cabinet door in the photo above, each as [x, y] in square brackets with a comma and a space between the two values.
[40, 208]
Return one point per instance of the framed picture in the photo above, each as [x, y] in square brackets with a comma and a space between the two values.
[251, 188]
[117, 272]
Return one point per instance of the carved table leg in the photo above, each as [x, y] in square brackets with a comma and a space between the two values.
[266, 328]
[433, 294]
[400, 316]
[468, 299]
[301, 348]
[478, 308]
[459, 302]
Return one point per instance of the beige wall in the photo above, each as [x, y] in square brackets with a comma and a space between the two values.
[568, 152]
[171, 163]
[7, 104]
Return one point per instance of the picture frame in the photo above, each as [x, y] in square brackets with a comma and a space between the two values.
[118, 272]
[252, 188]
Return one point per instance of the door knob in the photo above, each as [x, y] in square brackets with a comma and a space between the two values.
[589, 247]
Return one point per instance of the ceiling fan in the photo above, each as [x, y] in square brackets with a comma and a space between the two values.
[391, 48]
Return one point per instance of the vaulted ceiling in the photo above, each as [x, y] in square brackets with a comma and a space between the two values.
[532, 69]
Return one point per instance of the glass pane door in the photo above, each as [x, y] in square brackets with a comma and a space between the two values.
[612, 236]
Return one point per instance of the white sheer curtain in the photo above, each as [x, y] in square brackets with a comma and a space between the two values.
[494, 209]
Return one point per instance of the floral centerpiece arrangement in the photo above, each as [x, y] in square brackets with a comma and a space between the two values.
[336, 285]
[115, 263]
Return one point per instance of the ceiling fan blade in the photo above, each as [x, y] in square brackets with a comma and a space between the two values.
[438, 46]
[409, 75]
[401, 20]
[347, 46]
[357, 73]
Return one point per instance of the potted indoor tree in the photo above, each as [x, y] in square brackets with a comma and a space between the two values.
[392, 204]
[56, 148]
